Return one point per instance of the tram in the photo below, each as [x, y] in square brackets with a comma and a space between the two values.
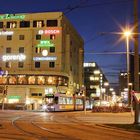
[62, 102]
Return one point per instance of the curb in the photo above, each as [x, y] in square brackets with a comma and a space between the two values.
[118, 128]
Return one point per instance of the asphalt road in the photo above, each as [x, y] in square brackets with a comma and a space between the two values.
[23, 125]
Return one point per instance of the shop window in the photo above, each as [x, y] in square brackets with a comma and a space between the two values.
[9, 37]
[38, 37]
[1, 24]
[22, 79]
[3, 80]
[31, 80]
[12, 80]
[52, 49]
[24, 24]
[8, 50]
[20, 64]
[8, 64]
[37, 64]
[21, 37]
[52, 37]
[38, 23]
[51, 64]
[52, 23]
[41, 80]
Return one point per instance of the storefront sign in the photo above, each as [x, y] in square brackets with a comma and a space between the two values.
[19, 57]
[11, 16]
[45, 43]
[49, 58]
[6, 33]
[49, 31]
[14, 97]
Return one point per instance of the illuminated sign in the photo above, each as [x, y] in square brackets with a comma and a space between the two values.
[6, 33]
[44, 52]
[12, 16]
[14, 97]
[89, 64]
[49, 58]
[19, 57]
[49, 31]
[45, 43]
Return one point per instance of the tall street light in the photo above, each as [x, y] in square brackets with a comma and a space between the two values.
[127, 34]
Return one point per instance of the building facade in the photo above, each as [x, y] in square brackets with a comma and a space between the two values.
[97, 86]
[41, 54]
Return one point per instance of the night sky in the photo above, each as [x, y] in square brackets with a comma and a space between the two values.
[90, 18]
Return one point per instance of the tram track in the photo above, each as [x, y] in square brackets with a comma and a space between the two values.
[37, 131]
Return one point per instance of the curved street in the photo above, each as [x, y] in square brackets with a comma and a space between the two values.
[23, 125]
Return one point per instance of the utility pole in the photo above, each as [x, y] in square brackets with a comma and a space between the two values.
[136, 61]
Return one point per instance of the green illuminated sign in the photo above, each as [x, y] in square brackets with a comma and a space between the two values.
[12, 16]
[45, 43]
[14, 97]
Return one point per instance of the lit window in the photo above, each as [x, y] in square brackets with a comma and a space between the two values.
[38, 23]
[22, 79]
[38, 50]
[41, 80]
[52, 37]
[12, 24]
[31, 80]
[12, 80]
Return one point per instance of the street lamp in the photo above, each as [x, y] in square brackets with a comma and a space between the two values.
[127, 34]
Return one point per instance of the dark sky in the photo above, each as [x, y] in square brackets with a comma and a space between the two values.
[90, 18]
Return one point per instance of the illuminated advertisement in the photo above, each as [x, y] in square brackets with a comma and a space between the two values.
[49, 58]
[19, 57]
[12, 16]
[6, 33]
[49, 31]
[45, 43]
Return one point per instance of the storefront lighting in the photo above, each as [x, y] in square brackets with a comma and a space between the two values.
[19, 57]
[6, 33]
[49, 58]
[49, 31]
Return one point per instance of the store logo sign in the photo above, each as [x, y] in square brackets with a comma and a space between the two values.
[19, 57]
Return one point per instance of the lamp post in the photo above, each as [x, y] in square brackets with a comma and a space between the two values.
[127, 34]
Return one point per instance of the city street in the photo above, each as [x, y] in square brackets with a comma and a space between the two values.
[23, 125]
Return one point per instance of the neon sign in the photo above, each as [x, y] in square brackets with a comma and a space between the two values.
[45, 43]
[19, 57]
[6, 33]
[49, 31]
[49, 58]
[12, 16]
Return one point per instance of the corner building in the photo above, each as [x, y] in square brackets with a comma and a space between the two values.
[41, 53]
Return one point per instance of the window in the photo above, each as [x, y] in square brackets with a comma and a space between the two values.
[21, 49]
[8, 64]
[21, 37]
[9, 37]
[1, 24]
[8, 50]
[37, 64]
[12, 24]
[38, 50]
[51, 64]
[38, 23]
[52, 37]
[24, 24]
[38, 37]
[52, 49]
[20, 64]
[51, 23]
